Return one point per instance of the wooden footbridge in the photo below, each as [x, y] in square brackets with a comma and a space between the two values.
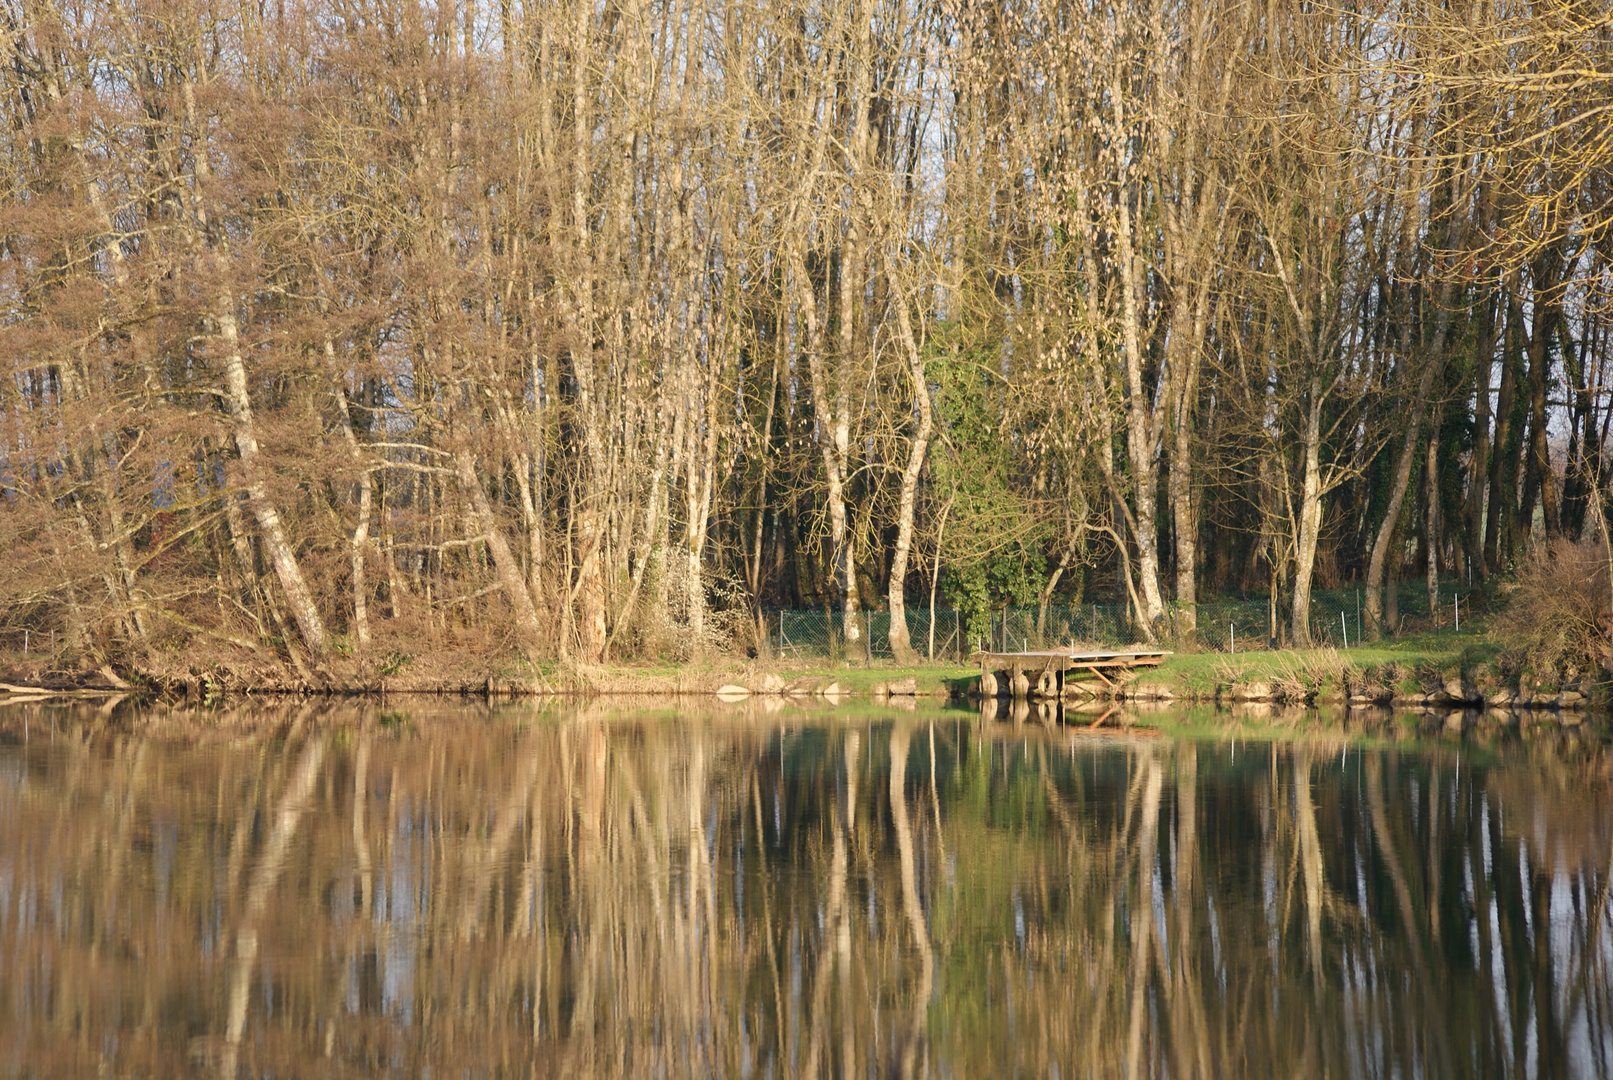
[1043, 674]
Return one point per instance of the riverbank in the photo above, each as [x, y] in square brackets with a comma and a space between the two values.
[1442, 668]
[451, 673]
[1439, 668]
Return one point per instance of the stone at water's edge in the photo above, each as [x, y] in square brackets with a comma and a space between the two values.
[1252, 691]
[772, 684]
[732, 690]
[907, 687]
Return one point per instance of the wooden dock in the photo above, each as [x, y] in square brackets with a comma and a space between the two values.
[1043, 674]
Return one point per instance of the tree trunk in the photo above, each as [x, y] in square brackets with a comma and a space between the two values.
[1121, 514]
[361, 540]
[1479, 462]
[853, 284]
[650, 549]
[1431, 515]
[1184, 519]
[1184, 512]
[504, 561]
[1391, 607]
[1310, 519]
[1141, 441]
[833, 436]
[901, 643]
[1433, 368]
[1576, 471]
[366, 491]
[1142, 434]
[935, 571]
[702, 479]
[590, 588]
[1048, 589]
[270, 529]
[1503, 497]
[1543, 478]
[1399, 481]
[753, 562]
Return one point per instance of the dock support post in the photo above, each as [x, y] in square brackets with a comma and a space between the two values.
[1021, 686]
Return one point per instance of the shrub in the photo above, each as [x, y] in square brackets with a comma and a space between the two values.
[1556, 614]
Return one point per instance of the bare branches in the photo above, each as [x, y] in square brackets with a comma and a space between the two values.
[655, 299]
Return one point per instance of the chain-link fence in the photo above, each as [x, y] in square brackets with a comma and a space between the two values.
[1337, 618]
[815, 633]
[27, 641]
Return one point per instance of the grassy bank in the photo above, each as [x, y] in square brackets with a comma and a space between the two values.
[1402, 668]
[1408, 665]
[940, 680]
[220, 674]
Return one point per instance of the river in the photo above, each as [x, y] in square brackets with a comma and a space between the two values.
[683, 889]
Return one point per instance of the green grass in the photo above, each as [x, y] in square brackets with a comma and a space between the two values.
[1445, 652]
[858, 678]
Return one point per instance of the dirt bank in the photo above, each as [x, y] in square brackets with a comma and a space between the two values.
[214, 677]
[1431, 671]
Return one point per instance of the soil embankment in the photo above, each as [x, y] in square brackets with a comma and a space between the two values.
[1431, 671]
[455, 674]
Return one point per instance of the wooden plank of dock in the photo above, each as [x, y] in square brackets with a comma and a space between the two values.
[1065, 659]
[1062, 664]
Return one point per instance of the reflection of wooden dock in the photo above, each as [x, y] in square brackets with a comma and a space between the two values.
[1044, 673]
[1083, 719]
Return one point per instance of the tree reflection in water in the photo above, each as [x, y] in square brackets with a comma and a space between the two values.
[337, 891]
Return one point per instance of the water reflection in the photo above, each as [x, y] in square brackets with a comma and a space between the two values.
[588, 892]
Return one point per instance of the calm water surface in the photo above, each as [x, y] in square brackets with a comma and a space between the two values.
[596, 891]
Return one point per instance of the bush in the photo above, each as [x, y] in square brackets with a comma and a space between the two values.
[1556, 616]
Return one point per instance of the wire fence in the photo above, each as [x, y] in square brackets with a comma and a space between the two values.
[28, 641]
[1337, 618]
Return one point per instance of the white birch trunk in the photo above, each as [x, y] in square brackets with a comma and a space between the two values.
[1310, 519]
[504, 562]
[263, 509]
[901, 642]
